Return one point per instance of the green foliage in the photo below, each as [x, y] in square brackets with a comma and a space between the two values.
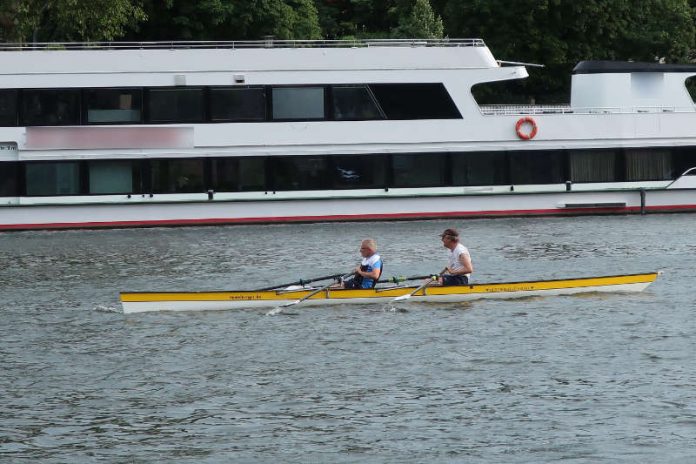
[420, 23]
[559, 33]
[70, 20]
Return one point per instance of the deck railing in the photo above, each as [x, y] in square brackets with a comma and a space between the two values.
[268, 43]
[514, 110]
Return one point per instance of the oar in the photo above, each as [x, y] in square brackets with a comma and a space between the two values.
[430, 280]
[298, 282]
[279, 308]
[399, 279]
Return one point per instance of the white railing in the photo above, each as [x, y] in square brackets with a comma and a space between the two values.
[514, 110]
[268, 43]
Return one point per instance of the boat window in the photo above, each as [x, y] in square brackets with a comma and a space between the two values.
[8, 108]
[238, 174]
[300, 173]
[354, 103]
[298, 103]
[177, 175]
[8, 179]
[175, 105]
[110, 177]
[49, 179]
[593, 166]
[359, 171]
[237, 104]
[648, 164]
[419, 170]
[50, 107]
[479, 168]
[106, 106]
[415, 101]
[683, 158]
[537, 167]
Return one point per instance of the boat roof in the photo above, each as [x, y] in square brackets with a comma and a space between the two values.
[267, 43]
[605, 66]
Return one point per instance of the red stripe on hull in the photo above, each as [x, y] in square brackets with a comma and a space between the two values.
[344, 217]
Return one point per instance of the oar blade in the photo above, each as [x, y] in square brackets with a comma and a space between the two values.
[402, 297]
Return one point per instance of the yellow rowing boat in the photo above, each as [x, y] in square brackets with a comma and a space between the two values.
[136, 302]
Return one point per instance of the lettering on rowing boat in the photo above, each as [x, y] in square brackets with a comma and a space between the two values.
[244, 297]
[523, 288]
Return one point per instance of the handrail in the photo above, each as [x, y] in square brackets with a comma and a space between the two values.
[268, 43]
[515, 110]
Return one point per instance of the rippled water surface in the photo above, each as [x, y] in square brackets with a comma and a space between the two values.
[593, 378]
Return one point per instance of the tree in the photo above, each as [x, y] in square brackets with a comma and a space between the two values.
[559, 33]
[70, 20]
[421, 22]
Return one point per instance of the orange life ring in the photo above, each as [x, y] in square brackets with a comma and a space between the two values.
[526, 135]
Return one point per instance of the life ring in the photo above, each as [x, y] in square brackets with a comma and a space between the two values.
[526, 135]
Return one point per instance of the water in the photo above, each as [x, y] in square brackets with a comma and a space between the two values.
[593, 378]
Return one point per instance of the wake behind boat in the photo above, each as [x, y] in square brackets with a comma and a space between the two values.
[137, 302]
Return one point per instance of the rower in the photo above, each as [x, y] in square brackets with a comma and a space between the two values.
[459, 267]
[370, 269]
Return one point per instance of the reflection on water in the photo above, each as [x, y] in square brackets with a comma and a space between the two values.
[588, 378]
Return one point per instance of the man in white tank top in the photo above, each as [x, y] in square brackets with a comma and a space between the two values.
[459, 267]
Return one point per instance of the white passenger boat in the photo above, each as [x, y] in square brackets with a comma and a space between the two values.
[137, 302]
[130, 134]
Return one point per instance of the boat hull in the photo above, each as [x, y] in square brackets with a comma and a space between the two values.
[137, 302]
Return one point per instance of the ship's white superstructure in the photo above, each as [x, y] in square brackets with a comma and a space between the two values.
[197, 133]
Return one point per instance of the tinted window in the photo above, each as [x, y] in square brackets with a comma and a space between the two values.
[177, 176]
[8, 179]
[300, 103]
[300, 173]
[238, 174]
[359, 171]
[421, 170]
[537, 167]
[47, 179]
[479, 169]
[175, 105]
[50, 107]
[8, 107]
[648, 164]
[415, 101]
[354, 103]
[593, 166]
[108, 177]
[684, 159]
[237, 104]
[113, 105]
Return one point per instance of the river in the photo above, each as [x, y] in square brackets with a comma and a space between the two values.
[589, 378]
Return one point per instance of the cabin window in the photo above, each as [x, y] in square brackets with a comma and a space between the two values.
[49, 179]
[684, 159]
[415, 101]
[354, 103]
[8, 108]
[177, 175]
[8, 179]
[537, 167]
[238, 174]
[298, 103]
[593, 166]
[648, 164]
[479, 169]
[51, 107]
[359, 171]
[300, 173]
[175, 105]
[419, 170]
[237, 104]
[111, 177]
[107, 106]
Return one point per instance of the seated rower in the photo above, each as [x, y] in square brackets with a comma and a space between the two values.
[370, 269]
[459, 267]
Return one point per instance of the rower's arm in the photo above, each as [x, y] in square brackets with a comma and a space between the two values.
[373, 274]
